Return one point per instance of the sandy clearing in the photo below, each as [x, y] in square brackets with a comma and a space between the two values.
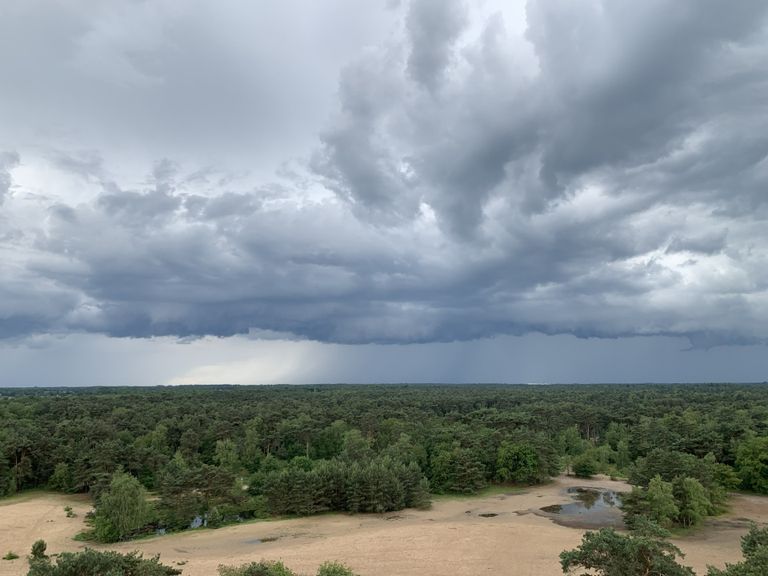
[29, 517]
[451, 538]
[719, 541]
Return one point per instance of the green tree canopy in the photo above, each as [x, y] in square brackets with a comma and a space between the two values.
[122, 509]
[661, 501]
[585, 465]
[692, 501]
[517, 462]
[608, 553]
[752, 464]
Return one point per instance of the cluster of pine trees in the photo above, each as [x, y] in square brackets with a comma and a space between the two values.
[377, 485]
[197, 495]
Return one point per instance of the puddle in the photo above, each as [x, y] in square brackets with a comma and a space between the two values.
[591, 508]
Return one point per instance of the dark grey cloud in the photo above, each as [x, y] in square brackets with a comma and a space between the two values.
[628, 76]
[433, 28]
[416, 172]
[355, 160]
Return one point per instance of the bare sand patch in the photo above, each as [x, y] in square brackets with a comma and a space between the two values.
[29, 517]
[719, 541]
[457, 536]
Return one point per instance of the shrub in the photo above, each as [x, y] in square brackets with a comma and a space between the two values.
[334, 569]
[262, 568]
[756, 539]
[38, 550]
[266, 568]
[585, 465]
[94, 563]
[608, 553]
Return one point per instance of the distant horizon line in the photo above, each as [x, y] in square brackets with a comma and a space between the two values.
[404, 383]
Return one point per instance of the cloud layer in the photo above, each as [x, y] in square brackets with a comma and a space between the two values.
[423, 171]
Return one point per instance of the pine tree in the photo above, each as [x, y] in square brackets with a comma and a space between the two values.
[275, 488]
[7, 485]
[356, 488]
[468, 472]
[608, 553]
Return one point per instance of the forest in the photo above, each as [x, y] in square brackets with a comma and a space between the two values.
[168, 459]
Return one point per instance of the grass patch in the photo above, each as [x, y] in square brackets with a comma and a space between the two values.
[25, 495]
[10, 556]
[33, 493]
[84, 536]
[685, 531]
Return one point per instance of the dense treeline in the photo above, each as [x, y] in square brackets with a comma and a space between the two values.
[216, 454]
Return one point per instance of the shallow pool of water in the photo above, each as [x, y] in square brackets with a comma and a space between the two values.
[590, 508]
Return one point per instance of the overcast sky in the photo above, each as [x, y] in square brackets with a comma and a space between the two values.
[413, 190]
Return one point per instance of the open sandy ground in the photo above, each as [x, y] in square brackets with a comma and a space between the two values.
[451, 538]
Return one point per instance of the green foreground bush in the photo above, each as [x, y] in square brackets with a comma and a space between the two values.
[95, 563]
[646, 552]
[265, 568]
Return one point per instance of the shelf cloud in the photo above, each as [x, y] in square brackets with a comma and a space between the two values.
[419, 171]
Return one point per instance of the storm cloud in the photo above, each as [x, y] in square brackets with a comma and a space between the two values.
[422, 171]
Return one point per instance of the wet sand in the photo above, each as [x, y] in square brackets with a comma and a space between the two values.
[451, 538]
